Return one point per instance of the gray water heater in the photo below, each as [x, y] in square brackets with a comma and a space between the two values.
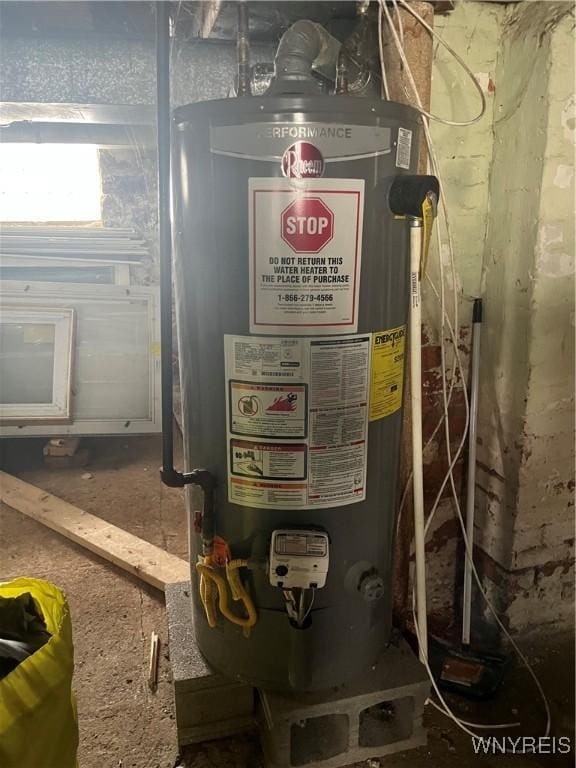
[292, 291]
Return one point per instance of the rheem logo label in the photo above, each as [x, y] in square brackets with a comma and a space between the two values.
[302, 160]
[307, 225]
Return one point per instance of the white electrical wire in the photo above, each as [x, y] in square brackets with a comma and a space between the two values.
[445, 709]
[469, 552]
[310, 605]
[290, 604]
[381, 48]
[399, 20]
[444, 317]
[433, 160]
[479, 726]
[436, 170]
[452, 462]
[460, 61]
[440, 420]
[464, 725]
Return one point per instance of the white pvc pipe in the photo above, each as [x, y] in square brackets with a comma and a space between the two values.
[471, 479]
[416, 402]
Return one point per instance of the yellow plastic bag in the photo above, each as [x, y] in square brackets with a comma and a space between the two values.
[38, 725]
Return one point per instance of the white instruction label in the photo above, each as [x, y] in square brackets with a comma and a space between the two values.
[297, 420]
[305, 255]
[404, 148]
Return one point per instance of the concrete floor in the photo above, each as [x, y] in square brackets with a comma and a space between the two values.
[123, 724]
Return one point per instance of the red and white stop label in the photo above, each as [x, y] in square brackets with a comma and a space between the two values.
[307, 225]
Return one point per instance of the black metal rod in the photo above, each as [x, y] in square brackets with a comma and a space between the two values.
[243, 49]
[163, 120]
[170, 476]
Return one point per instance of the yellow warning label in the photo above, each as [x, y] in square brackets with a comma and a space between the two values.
[387, 374]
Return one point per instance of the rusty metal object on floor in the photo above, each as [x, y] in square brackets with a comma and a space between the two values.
[153, 662]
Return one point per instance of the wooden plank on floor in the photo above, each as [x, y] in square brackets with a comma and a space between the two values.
[150, 563]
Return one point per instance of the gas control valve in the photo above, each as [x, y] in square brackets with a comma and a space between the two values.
[298, 559]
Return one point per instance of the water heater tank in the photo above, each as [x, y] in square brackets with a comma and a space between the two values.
[292, 288]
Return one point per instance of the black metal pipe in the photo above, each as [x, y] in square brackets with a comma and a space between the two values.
[341, 86]
[243, 50]
[168, 473]
[163, 119]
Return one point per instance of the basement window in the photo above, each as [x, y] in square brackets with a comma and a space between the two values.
[49, 183]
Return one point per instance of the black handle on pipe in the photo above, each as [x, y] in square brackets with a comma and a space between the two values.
[477, 311]
[408, 193]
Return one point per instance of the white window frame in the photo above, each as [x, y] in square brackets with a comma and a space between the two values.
[34, 296]
[63, 321]
[121, 269]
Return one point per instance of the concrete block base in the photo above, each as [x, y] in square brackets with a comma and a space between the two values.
[371, 718]
[208, 705]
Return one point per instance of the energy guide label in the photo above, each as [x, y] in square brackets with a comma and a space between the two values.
[297, 420]
[387, 372]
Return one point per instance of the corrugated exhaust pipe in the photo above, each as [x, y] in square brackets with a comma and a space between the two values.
[303, 45]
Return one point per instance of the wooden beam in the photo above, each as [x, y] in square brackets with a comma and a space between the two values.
[146, 561]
